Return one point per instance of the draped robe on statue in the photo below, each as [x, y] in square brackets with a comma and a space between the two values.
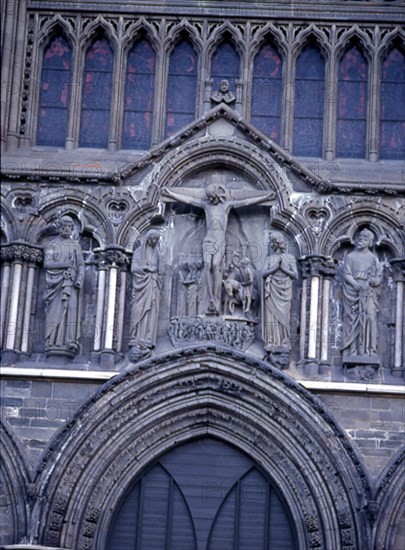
[64, 266]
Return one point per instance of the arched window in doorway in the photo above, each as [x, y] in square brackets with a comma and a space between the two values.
[352, 105]
[392, 128]
[225, 64]
[139, 96]
[96, 94]
[202, 495]
[309, 103]
[266, 91]
[182, 87]
[55, 93]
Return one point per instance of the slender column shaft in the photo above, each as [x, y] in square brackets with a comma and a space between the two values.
[5, 287]
[121, 310]
[11, 327]
[325, 320]
[112, 290]
[27, 308]
[303, 318]
[313, 317]
[100, 309]
[398, 324]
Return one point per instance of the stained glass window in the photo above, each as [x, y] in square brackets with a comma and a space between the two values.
[55, 93]
[225, 65]
[392, 129]
[182, 87]
[266, 91]
[96, 95]
[352, 105]
[309, 103]
[139, 95]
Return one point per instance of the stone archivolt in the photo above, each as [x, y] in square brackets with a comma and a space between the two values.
[168, 400]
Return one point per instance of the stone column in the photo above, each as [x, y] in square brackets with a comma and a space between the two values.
[5, 288]
[318, 269]
[101, 282]
[399, 277]
[17, 304]
[116, 262]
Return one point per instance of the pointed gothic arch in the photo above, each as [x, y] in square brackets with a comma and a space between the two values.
[160, 403]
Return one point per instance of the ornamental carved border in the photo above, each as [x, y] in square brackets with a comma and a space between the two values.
[17, 489]
[168, 400]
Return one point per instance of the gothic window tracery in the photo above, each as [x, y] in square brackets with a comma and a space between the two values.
[267, 91]
[55, 92]
[309, 103]
[225, 64]
[96, 94]
[352, 104]
[139, 96]
[182, 87]
[392, 122]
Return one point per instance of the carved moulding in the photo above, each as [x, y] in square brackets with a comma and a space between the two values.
[387, 509]
[15, 488]
[167, 400]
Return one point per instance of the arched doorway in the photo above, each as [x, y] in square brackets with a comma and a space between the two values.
[203, 495]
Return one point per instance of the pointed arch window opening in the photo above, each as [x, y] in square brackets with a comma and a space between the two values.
[55, 92]
[309, 103]
[351, 124]
[96, 94]
[267, 91]
[202, 494]
[392, 109]
[225, 65]
[182, 87]
[139, 96]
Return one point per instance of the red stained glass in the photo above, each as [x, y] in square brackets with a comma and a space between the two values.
[182, 87]
[139, 96]
[392, 126]
[55, 93]
[96, 94]
[352, 104]
[267, 91]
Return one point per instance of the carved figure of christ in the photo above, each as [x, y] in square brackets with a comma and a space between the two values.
[216, 201]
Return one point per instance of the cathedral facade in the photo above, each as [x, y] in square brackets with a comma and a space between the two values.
[202, 275]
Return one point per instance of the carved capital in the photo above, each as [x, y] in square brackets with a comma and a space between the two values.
[398, 265]
[315, 265]
[113, 255]
[22, 252]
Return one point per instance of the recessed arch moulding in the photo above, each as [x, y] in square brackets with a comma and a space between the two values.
[159, 404]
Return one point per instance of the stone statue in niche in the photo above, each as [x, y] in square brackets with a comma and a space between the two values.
[362, 276]
[223, 95]
[146, 285]
[64, 265]
[238, 284]
[190, 283]
[278, 275]
[216, 201]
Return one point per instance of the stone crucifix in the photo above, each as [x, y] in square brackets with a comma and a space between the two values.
[216, 201]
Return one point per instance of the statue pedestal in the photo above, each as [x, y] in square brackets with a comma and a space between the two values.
[229, 331]
[361, 367]
[59, 356]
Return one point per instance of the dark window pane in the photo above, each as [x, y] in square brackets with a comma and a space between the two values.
[225, 64]
[392, 127]
[139, 96]
[352, 105]
[266, 91]
[96, 95]
[182, 87]
[55, 93]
